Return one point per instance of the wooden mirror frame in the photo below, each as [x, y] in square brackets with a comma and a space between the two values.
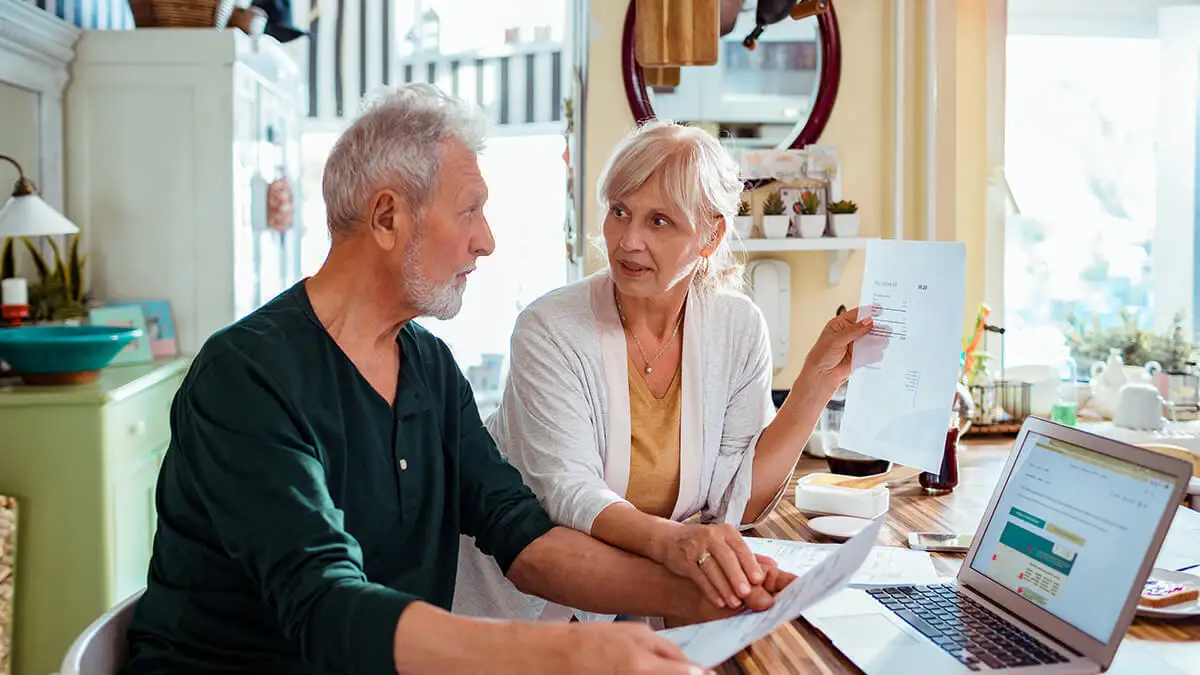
[831, 75]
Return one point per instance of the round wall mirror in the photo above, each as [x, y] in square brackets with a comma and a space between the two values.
[778, 95]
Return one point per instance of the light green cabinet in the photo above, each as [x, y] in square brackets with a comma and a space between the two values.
[82, 462]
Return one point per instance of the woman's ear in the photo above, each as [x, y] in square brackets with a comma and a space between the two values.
[714, 240]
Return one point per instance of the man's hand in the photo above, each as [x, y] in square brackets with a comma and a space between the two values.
[761, 597]
[621, 647]
[715, 558]
[429, 640]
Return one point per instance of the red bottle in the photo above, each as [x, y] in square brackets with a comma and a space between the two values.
[946, 479]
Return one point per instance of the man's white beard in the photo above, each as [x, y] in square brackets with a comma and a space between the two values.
[441, 301]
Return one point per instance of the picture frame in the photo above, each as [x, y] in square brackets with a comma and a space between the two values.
[9, 522]
[137, 351]
[160, 325]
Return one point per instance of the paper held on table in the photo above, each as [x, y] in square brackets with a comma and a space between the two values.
[884, 566]
[898, 406]
[710, 644]
[1181, 548]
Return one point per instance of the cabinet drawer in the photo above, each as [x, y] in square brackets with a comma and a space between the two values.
[139, 424]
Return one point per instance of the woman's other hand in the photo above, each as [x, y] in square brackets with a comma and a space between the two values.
[829, 361]
[761, 598]
[716, 558]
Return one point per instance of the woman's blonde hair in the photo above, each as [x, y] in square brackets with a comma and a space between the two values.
[697, 176]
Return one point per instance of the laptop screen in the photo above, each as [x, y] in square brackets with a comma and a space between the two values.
[1071, 529]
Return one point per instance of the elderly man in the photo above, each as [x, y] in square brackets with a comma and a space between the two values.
[326, 456]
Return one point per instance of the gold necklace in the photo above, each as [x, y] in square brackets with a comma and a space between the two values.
[649, 363]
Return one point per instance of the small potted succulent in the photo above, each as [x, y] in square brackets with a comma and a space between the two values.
[810, 223]
[743, 222]
[775, 222]
[843, 219]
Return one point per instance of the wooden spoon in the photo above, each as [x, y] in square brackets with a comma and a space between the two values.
[897, 474]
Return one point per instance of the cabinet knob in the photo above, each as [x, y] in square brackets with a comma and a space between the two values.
[137, 428]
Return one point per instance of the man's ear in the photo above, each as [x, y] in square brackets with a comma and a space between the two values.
[714, 240]
[388, 219]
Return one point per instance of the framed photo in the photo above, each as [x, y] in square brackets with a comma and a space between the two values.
[137, 351]
[8, 579]
[160, 325]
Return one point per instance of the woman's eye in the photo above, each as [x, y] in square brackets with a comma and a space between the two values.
[618, 212]
[659, 221]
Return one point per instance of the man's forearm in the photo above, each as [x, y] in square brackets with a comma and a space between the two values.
[573, 569]
[430, 640]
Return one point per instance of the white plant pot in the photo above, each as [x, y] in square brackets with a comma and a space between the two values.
[844, 224]
[775, 227]
[743, 226]
[811, 227]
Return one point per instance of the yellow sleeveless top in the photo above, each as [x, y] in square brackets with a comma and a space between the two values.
[654, 445]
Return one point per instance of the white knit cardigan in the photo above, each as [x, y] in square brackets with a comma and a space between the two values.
[564, 421]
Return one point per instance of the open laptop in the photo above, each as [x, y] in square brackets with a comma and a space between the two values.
[1052, 579]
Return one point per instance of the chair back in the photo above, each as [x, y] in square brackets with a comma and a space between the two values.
[102, 648]
[1176, 451]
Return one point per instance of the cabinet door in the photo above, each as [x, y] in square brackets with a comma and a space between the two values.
[134, 520]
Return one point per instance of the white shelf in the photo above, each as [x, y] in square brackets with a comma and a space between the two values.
[837, 248]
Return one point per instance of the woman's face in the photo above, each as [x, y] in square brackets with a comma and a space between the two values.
[652, 247]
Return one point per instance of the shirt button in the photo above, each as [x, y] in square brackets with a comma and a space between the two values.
[404, 465]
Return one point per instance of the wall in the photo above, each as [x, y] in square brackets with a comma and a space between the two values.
[18, 120]
[861, 128]
[92, 14]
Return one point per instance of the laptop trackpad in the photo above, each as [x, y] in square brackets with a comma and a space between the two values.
[877, 645]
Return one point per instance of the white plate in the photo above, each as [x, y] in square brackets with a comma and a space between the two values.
[838, 527]
[1183, 609]
[814, 513]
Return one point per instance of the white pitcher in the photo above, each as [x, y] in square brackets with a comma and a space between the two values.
[1109, 376]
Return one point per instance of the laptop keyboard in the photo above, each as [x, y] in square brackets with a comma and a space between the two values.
[965, 629]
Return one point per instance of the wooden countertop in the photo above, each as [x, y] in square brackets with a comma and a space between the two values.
[1152, 646]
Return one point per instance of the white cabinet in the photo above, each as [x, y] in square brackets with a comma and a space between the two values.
[173, 137]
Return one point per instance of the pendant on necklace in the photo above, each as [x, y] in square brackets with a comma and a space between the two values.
[649, 369]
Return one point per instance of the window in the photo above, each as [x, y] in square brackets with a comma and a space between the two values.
[1101, 157]
[1080, 159]
[513, 59]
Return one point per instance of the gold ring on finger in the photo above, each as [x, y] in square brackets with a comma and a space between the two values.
[703, 558]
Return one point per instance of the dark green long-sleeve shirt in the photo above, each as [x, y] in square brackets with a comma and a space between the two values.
[299, 513]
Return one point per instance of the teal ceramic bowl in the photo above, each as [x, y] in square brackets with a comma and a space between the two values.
[45, 350]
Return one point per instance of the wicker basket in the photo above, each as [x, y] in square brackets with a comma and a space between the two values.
[181, 13]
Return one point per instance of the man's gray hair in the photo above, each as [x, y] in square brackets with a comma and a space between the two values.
[397, 141]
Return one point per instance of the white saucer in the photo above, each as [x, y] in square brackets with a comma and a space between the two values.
[1183, 609]
[838, 527]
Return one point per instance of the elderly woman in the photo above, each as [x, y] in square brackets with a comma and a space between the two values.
[641, 396]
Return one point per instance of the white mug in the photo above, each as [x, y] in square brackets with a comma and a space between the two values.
[1139, 406]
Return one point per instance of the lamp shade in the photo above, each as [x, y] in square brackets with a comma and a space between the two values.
[30, 216]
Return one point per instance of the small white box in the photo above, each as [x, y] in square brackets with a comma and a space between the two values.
[817, 493]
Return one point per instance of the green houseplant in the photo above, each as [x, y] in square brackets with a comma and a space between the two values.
[743, 222]
[1090, 342]
[775, 222]
[8, 263]
[58, 294]
[810, 223]
[843, 219]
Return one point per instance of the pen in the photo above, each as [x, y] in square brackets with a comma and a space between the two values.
[1184, 569]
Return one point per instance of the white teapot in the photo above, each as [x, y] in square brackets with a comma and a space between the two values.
[1109, 376]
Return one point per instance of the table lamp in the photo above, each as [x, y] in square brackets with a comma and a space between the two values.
[25, 215]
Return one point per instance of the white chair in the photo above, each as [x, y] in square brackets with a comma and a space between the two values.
[101, 649]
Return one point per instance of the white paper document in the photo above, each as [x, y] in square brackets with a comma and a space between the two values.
[898, 407]
[884, 566]
[1181, 548]
[710, 644]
